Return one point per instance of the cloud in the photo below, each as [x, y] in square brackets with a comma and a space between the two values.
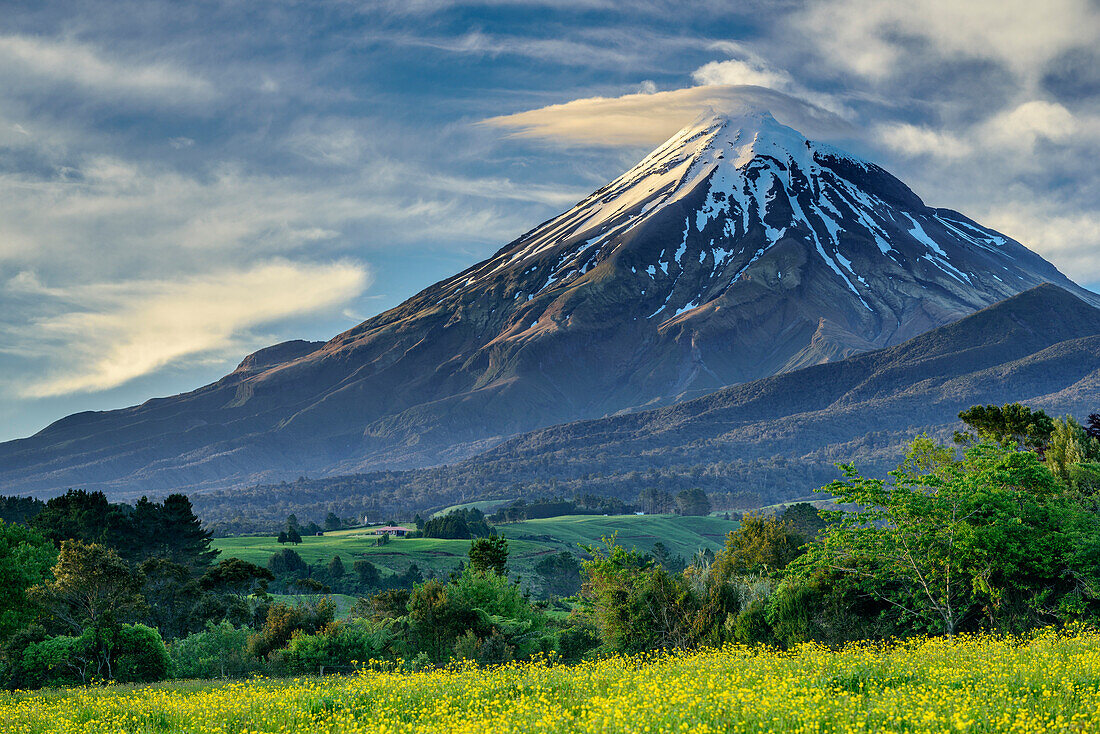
[27, 61]
[735, 72]
[114, 217]
[111, 333]
[916, 140]
[1012, 132]
[1069, 239]
[605, 51]
[873, 38]
[1026, 124]
[649, 119]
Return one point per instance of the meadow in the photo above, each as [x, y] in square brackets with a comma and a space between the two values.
[528, 541]
[1050, 683]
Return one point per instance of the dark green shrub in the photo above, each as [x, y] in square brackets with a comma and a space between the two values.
[283, 620]
[576, 642]
[750, 627]
[219, 651]
[339, 648]
[140, 655]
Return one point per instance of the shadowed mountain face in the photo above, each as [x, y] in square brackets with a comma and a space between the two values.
[748, 445]
[1041, 347]
[736, 250]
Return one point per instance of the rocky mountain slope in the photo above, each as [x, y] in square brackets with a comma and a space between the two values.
[748, 445]
[736, 250]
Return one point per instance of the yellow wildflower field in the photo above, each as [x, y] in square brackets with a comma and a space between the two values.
[1050, 683]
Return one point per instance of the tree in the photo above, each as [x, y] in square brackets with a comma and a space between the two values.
[283, 620]
[20, 509]
[26, 557]
[459, 525]
[945, 542]
[369, 577]
[654, 501]
[332, 522]
[336, 570]
[293, 537]
[91, 587]
[282, 539]
[182, 539]
[172, 592]
[692, 502]
[1069, 446]
[760, 545]
[287, 563]
[803, 520]
[78, 515]
[664, 557]
[635, 604]
[489, 555]
[236, 577]
[1092, 426]
[560, 573]
[1004, 424]
[169, 529]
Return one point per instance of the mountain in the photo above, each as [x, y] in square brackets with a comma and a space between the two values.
[748, 445]
[737, 250]
[1041, 347]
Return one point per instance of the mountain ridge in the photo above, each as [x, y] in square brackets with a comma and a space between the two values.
[736, 250]
[771, 440]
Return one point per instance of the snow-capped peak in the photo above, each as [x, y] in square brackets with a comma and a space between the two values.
[704, 211]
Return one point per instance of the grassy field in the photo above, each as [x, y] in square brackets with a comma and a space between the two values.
[972, 684]
[527, 541]
[486, 506]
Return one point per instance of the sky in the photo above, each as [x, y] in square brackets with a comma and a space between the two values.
[184, 183]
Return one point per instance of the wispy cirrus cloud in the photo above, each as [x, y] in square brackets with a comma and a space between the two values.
[106, 334]
[28, 60]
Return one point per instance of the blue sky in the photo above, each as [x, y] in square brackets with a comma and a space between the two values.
[182, 183]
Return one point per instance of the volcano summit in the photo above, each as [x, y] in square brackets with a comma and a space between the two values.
[736, 250]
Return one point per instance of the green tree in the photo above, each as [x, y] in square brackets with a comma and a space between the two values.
[236, 577]
[26, 557]
[1070, 446]
[172, 592]
[333, 522]
[655, 501]
[182, 538]
[664, 557]
[760, 545]
[283, 620]
[692, 502]
[803, 520]
[92, 587]
[288, 564]
[636, 605]
[560, 573]
[489, 555]
[292, 536]
[79, 515]
[946, 543]
[367, 572]
[1004, 424]
[336, 570]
